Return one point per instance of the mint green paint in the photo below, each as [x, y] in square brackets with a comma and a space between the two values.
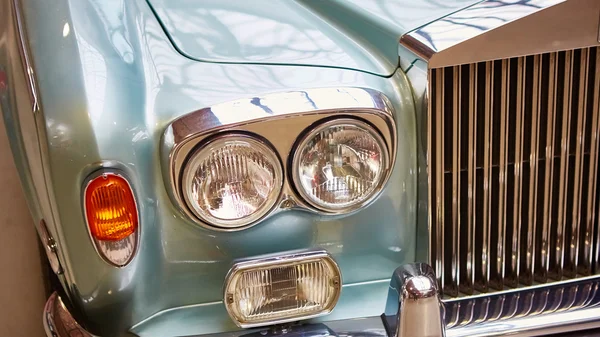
[110, 81]
[212, 317]
[355, 34]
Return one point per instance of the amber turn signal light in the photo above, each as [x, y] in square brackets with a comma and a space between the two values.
[110, 208]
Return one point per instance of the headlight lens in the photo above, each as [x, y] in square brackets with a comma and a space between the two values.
[232, 180]
[340, 165]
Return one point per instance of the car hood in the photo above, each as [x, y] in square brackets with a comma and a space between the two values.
[352, 34]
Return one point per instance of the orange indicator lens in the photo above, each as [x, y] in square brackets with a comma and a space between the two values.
[110, 208]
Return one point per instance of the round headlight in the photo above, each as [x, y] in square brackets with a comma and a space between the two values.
[340, 165]
[232, 181]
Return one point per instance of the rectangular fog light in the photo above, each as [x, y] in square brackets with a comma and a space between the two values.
[282, 288]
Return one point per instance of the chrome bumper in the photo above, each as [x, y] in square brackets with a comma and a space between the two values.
[414, 308]
[58, 321]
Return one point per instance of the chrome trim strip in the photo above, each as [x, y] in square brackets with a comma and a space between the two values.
[58, 321]
[278, 259]
[433, 247]
[29, 120]
[413, 306]
[439, 116]
[263, 115]
[24, 52]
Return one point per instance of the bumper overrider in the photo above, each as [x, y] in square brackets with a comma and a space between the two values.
[415, 308]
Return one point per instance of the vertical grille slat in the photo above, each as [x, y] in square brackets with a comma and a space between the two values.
[529, 250]
[544, 260]
[469, 278]
[564, 167]
[453, 288]
[573, 252]
[482, 285]
[497, 279]
[513, 278]
[592, 219]
[513, 151]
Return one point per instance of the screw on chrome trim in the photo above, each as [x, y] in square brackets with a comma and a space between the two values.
[230, 298]
[287, 204]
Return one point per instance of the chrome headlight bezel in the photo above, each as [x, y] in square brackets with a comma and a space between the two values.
[280, 119]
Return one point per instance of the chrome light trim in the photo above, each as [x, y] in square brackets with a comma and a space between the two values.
[261, 212]
[320, 126]
[133, 237]
[495, 29]
[283, 259]
[265, 116]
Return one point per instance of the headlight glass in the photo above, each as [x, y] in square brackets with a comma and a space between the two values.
[340, 165]
[232, 181]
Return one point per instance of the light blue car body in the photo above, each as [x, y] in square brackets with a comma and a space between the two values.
[112, 75]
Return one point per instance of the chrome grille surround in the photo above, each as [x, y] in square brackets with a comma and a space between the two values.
[520, 208]
[518, 182]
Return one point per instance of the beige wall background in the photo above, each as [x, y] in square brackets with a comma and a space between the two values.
[22, 292]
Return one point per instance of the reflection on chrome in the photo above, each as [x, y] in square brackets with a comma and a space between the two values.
[540, 310]
[413, 306]
[294, 102]
[469, 23]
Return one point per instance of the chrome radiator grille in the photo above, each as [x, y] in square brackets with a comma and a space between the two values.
[513, 150]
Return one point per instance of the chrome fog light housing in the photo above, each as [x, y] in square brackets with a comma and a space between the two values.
[232, 180]
[282, 288]
[340, 165]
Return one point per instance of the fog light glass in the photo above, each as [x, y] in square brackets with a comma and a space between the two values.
[278, 289]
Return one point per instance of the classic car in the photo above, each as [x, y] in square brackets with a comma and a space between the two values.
[310, 168]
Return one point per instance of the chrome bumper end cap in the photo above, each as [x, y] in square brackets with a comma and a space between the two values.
[414, 307]
[58, 321]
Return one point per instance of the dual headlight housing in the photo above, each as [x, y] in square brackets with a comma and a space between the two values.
[329, 151]
[234, 179]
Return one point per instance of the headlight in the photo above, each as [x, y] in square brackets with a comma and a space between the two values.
[340, 165]
[232, 181]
